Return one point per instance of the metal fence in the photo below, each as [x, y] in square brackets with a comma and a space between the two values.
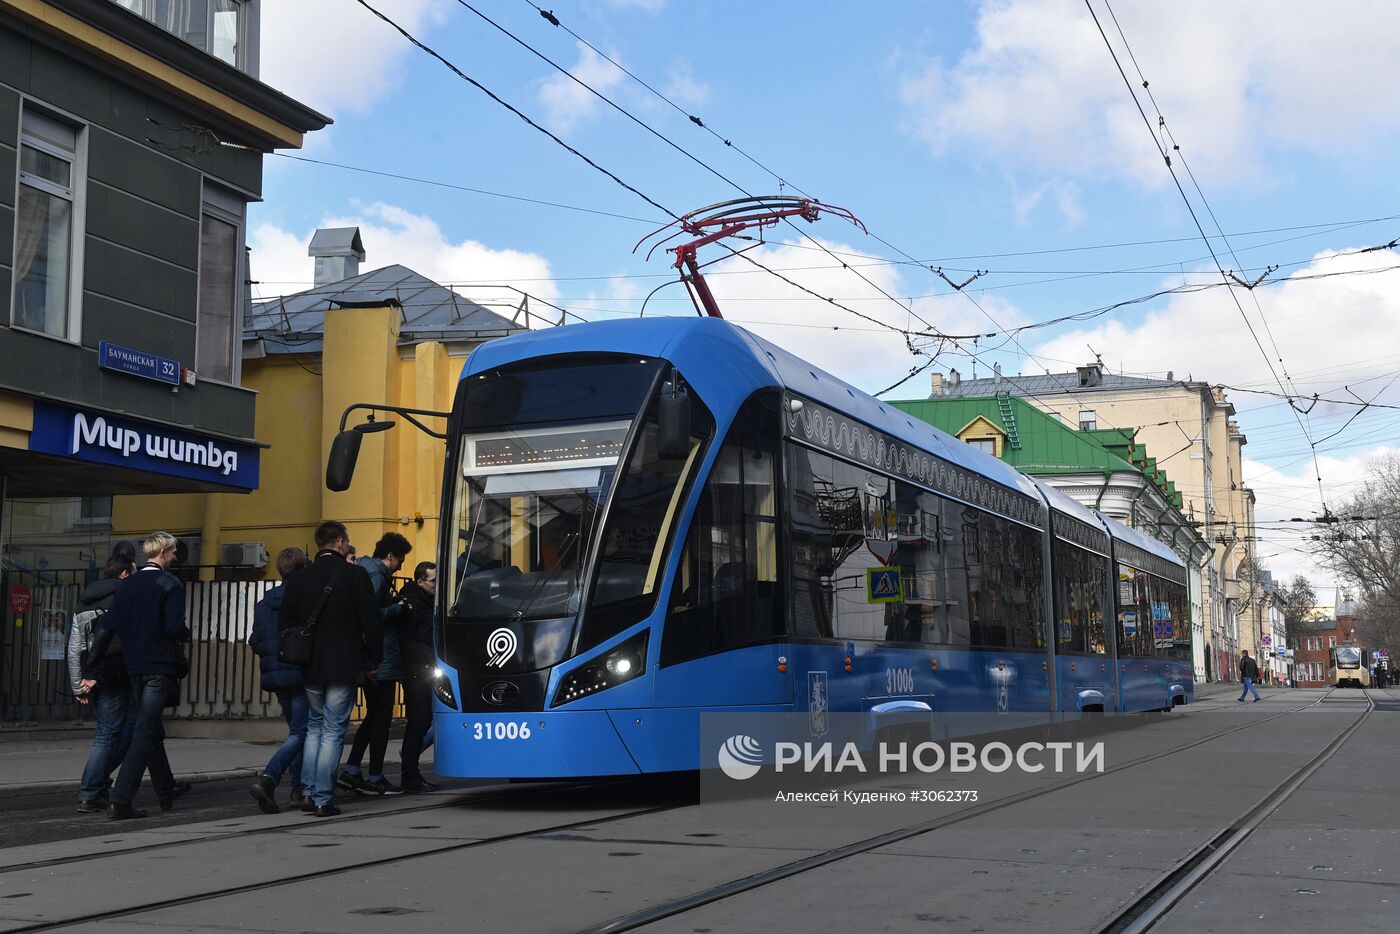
[224, 677]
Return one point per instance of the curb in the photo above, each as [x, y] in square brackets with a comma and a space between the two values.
[40, 788]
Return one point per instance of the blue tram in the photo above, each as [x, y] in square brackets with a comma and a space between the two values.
[648, 520]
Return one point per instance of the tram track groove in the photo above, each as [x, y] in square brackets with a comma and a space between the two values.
[1159, 899]
[637, 919]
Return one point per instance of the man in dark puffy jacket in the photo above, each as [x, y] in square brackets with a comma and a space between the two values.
[111, 694]
[284, 680]
[415, 630]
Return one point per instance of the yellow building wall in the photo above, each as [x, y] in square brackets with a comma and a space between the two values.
[398, 475]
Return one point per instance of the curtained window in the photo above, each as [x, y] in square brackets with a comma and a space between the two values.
[46, 219]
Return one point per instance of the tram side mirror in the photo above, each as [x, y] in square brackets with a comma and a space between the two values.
[340, 466]
[673, 422]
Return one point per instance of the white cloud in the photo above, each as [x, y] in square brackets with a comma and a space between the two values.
[1331, 332]
[567, 103]
[1292, 492]
[393, 235]
[683, 88]
[337, 56]
[1234, 80]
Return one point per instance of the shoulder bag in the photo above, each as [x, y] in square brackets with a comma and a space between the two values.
[294, 644]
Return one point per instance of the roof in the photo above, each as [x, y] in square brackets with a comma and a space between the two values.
[1047, 444]
[1053, 383]
[296, 323]
[337, 241]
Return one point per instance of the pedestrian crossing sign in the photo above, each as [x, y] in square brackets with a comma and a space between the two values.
[883, 585]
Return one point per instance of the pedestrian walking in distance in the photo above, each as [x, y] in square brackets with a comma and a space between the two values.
[148, 616]
[1249, 673]
[284, 680]
[335, 600]
[415, 629]
[111, 695]
[390, 552]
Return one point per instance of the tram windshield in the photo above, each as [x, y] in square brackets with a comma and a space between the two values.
[1348, 657]
[530, 500]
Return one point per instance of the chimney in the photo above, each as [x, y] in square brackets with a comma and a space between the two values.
[996, 372]
[954, 379]
[936, 385]
[338, 253]
[1090, 375]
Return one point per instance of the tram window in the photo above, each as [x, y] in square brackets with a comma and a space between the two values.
[967, 577]
[1081, 577]
[726, 592]
[1136, 624]
[641, 518]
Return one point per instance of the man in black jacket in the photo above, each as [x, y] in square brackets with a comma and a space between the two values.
[1249, 673]
[415, 631]
[111, 695]
[148, 615]
[338, 600]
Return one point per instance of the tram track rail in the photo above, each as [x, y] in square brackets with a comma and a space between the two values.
[443, 801]
[328, 872]
[638, 919]
[624, 923]
[1163, 895]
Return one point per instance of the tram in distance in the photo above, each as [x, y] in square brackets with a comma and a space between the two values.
[1350, 665]
[648, 520]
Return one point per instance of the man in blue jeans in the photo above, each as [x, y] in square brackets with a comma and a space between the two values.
[110, 698]
[284, 680]
[337, 599]
[1249, 673]
[148, 615]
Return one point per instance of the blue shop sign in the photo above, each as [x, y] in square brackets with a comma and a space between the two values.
[138, 363]
[123, 442]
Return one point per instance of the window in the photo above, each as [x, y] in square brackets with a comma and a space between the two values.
[216, 26]
[985, 445]
[48, 222]
[1081, 578]
[726, 593]
[220, 286]
[968, 577]
[1331, 642]
[1087, 420]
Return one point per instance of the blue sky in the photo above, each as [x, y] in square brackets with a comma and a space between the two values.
[952, 129]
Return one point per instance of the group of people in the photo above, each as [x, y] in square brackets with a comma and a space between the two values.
[364, 638]
[126, 659]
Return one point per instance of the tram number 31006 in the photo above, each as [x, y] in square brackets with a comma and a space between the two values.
[498, 730]
[899, 681]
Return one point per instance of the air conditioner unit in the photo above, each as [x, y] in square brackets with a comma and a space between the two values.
[244, 555]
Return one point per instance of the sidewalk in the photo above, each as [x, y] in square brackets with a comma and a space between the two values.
[44, 766]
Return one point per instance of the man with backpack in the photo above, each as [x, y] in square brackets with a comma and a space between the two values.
[284, 680]
[110, 695]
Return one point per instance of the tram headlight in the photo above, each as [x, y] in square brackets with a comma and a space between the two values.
[617, 665]
[442, 688]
